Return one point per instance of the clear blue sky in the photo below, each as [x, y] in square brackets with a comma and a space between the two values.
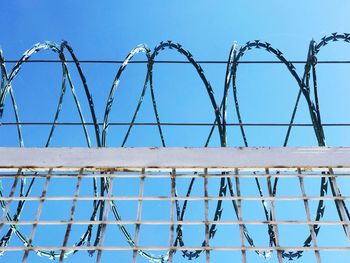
[110, 29]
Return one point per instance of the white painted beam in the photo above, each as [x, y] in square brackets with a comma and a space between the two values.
[124, 158]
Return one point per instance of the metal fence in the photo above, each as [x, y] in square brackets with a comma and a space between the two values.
[175, 204]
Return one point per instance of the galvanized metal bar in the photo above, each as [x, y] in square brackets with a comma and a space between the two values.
[170, 198]
[340, 205]
[37, 216]
[72, 212]
[308, 216]
[273, 217]
[206, 215]
[9, 200]
[138, 216]
[112, 158]
[155, 174]
[239, 210]
[105, 216]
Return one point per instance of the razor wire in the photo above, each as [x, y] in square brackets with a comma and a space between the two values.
[307, 90]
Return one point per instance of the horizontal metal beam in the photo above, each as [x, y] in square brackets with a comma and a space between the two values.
[124, 158]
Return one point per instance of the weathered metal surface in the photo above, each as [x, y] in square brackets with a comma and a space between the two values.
[124, 158]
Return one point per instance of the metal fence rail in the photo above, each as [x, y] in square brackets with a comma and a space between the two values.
[175, 204]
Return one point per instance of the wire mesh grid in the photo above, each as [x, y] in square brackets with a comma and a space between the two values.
[169, 214]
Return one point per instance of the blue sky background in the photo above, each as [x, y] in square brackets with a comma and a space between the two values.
[110, 29]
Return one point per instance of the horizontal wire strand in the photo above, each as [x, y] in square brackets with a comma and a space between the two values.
[166, 198]
[166, 176]
[92, 61]
[43, 123]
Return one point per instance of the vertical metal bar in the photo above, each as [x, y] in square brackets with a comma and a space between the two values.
[206, 215]
[7, 206]
[37, 215]
[340, 205]
[307, 210]
[139, 213]
[172, 204]
[273, 216]
[109, 183]
[72, 212]
[239, 210]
